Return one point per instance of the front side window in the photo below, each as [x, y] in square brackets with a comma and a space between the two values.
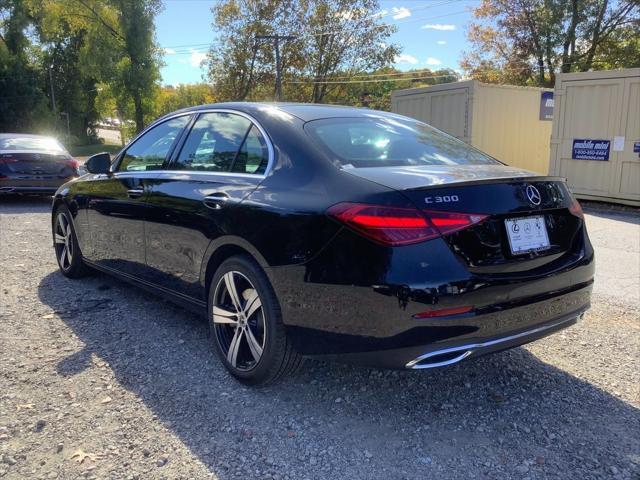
[214, 143]
[150, 151]
[391, 141]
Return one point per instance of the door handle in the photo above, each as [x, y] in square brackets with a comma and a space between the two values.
[215, 201]
[135, 192]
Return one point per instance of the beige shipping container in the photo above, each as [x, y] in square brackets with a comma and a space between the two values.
[501, 120]
[598, 109]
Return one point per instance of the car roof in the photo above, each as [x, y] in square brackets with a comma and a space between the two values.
[304, 111]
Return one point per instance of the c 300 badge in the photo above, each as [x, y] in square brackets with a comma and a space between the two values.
[442, 199]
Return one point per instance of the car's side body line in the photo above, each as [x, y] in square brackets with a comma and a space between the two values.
[193, 304]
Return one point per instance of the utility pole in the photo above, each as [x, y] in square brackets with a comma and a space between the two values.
[277, 39]
[53, 96]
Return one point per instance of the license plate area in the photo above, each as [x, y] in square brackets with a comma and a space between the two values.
[527, 234]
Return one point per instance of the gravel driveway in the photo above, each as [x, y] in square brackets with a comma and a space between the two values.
[101, 380]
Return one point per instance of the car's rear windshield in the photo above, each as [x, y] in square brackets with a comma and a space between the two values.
[391, 141]
[30, 143]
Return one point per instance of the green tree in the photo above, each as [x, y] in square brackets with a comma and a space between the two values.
[529, 41]
[345, 36]
[239, 63]
[342, 36]
[174, 98]
[374, 90]
[116, 47]
[23, 103]
[138, 69]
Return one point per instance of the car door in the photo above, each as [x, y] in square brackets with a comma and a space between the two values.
[115, 208]
[221, 160]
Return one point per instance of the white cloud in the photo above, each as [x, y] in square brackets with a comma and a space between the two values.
[433, 61]
[441, 42]
[405, 58]
[169, 51]
[400, 12]
[439, 26]
[196, 58]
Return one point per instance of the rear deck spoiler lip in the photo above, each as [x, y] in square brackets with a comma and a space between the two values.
[484, 181]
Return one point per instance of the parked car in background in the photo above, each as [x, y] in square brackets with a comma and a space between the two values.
[34, 164]
[330, 232]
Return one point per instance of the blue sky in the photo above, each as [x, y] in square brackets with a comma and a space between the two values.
[431, 32]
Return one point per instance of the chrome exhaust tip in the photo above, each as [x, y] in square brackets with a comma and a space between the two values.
[452, 355]
[440, 358]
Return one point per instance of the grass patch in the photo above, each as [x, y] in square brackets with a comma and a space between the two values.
[88, 150]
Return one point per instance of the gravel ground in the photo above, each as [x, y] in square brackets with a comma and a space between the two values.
[101, 380]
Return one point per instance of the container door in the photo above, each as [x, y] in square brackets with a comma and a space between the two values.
[448, 110]
[590, 111]
[626, 182]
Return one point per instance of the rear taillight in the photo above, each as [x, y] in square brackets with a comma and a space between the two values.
[73, 163]
[387, 225]
[450, 222]
[400, 226]
[443, 312]
[576, 209]
[6, 160]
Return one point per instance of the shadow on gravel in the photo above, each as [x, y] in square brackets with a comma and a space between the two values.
[502, 409]
[25, 204]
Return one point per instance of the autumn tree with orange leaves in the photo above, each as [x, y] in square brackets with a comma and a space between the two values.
[526, 42]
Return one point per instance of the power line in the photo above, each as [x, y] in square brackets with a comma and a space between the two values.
[349, 29]
[378, 80]
[408, 72]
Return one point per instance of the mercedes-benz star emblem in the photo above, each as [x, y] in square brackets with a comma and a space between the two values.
[533, 195]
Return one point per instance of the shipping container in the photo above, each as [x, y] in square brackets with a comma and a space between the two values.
[596, 134]
[512, 124]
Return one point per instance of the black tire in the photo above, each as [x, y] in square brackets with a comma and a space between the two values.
[70, 265]
[259, 332]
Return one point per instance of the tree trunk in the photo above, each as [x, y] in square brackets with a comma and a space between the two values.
[595, 40]
[137, 101]
[569, 41]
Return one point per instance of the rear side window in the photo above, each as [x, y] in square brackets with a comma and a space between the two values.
[254, 154]
[391, 141]
[223, 142]
[150, 151]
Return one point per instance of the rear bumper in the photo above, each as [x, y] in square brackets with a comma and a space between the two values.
[22, 190]
[440, 341]
[441, 357]
[31, 186]
[374, 318]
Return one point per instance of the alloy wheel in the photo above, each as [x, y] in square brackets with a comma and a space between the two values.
[63, 241]
[238, 320]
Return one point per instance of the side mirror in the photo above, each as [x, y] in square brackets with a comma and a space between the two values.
[98, 163]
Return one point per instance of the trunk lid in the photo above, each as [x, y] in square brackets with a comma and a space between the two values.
[501, 193]
[416, 177]
[36, 164]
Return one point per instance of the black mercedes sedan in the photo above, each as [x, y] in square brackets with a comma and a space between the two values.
[330, 232]
[33, 164]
